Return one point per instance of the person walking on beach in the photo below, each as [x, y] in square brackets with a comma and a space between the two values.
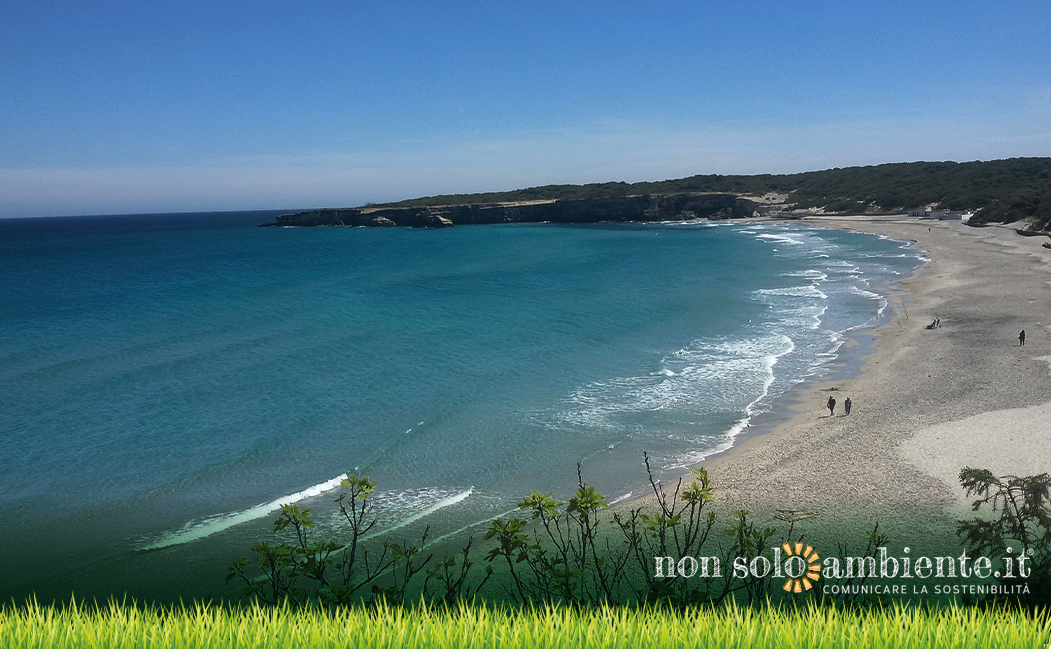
[831, 406]
[846, 405]
[1021, 339]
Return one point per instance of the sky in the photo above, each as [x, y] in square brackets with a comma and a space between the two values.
[157, 106]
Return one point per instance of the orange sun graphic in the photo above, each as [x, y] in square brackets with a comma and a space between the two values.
[811, 572]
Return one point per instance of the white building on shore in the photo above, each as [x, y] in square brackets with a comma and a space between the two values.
[941, 214]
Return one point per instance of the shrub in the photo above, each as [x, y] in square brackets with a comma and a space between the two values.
[1021, 525]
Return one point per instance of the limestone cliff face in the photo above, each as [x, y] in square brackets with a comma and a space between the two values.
[666, 207]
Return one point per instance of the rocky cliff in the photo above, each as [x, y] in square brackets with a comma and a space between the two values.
[666, 207]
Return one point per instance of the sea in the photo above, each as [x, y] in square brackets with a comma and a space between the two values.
[169, 378]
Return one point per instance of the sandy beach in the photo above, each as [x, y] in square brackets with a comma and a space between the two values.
[926, 403]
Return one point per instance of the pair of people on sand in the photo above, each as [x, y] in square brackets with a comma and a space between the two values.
[832, 406]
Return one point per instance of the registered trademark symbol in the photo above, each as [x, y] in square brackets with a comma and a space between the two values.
[996, 574]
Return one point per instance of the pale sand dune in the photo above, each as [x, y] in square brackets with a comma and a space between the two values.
[1007, 442]
[926, 402]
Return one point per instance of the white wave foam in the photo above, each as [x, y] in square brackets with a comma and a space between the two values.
[832, 275]
[794, 291]
[863, 293]
[762, 347]
[620, 498]
[195, 530]
[882, 255]
[806, 318]
[199, 529]
[460, 531]
[751, 410]
[409, 520]
[782, 238]
[810, 273]
[709, 377]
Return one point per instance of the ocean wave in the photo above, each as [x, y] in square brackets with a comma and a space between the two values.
[707, 381]
[759, 404]
[783, 238]
[707, 377]
[400, 509]
[810, 273]
[458, 533]
[805, 318]
[881, 255]
[794, 291]
[840, 267]
[199, 529]
[856, 290]
[400, 517]
[620, 498]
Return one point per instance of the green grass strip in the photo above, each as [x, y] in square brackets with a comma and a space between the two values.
[44, 627]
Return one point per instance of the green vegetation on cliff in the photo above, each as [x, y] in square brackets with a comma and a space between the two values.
[997, 191]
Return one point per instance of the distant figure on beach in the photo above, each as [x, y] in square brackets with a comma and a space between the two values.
[831, 406]
[1021, 339]
[846, 405]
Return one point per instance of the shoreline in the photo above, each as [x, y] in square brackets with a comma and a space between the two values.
[926, 402]
[786, 408]
[847, 363]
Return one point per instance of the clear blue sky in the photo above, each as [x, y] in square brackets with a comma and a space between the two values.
[110, 107]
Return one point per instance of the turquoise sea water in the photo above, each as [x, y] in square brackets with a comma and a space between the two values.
[168, 378]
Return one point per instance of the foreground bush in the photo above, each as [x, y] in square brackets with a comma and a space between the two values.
[551, 552]
[257, 627]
